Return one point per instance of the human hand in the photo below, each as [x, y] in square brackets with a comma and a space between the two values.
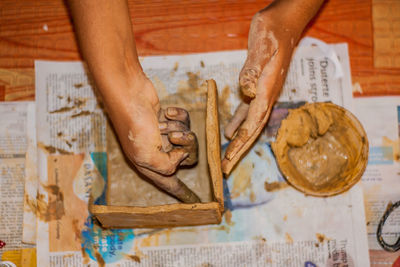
[156, 141]
[274, 31]
[174, 125]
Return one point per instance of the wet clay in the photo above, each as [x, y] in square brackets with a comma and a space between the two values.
[321, 149]
[132, 202]
[127, 187]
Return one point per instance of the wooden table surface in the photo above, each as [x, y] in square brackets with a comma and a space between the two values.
[42, 29]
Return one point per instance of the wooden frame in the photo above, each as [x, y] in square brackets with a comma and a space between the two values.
[178, 214]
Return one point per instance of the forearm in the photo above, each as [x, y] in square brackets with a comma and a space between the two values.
[294, 15]
[107, 44]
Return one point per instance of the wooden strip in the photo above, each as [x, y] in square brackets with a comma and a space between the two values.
[386, 22]
[18, 84]
[159, 216]
[214, 142]
[2, 92]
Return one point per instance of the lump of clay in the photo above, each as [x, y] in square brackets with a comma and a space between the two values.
[321, 149]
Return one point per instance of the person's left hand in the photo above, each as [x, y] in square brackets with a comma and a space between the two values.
[270, 48]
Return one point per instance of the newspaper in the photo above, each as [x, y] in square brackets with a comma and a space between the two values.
[13, 146]
[266, 222]
[31, 179]
[381, 178]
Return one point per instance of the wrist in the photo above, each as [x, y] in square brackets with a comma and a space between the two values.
[127, 98]
[291, 16]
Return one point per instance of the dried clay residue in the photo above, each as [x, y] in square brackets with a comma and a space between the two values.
[50, 210]
[320, 237]
[52, 149]
[77, 104]
[60, 110]
[242, 179]
[260, 238]
[78, 85]
[228, 218]
[77, 229]
[85, 256]
[274, 186]
[252, 197]
[99, 258]
[193, 80]
[82, 113]
[224, 106]
[288, 238]
[191, 93]
[133, 257]
[176, 65]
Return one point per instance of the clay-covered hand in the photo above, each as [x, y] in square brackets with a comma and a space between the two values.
[106, 39]
[174, 124]
[272, 38]
[155, 147]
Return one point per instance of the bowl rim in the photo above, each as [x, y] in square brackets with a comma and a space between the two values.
[363, 161]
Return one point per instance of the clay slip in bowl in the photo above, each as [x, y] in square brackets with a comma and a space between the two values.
[321, 149]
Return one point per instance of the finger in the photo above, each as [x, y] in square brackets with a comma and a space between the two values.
[166, 145]
[262, 46]
[178, 114]
[189, 142]
[172, 185]
[237, 119]
[242, 142]
[182, 138]
[248, 78]
[260, 108]
[161, 115]
[255, 117]
[164, 163]
[172, 126]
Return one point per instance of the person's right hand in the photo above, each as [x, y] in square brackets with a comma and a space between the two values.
[156, 141]
[106, 39]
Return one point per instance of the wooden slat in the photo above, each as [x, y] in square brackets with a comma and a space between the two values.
[386, 22]
[158, 216]
[214, 143]
[17, 84]
[2, 92]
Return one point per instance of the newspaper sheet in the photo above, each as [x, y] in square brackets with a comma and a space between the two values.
[31, 180]
[14, 128]
[380, 117]
[266, 223]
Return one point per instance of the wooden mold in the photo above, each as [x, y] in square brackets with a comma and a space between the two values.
[132, 202]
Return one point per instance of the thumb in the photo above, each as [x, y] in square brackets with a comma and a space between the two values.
[262, 45]
[248, 77]
[253, 68]
[166, 162]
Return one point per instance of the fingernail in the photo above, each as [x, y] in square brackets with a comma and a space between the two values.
[177, 134]
[172, 111]
[162, 125]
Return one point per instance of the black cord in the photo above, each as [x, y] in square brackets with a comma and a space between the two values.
[396, 246]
